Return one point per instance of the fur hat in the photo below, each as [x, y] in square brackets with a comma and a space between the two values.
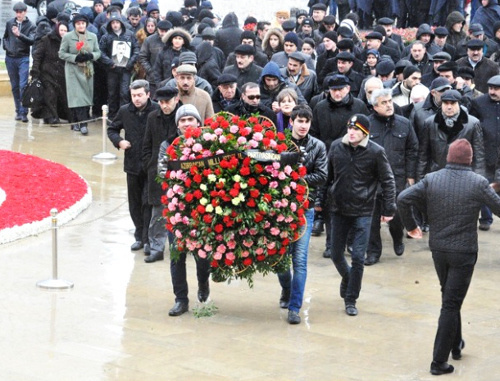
[460, 152]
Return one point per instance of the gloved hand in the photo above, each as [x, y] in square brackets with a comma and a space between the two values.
[80, 57]
[303, 153]
[88, 56]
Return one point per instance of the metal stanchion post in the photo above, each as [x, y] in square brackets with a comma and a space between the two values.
[54, 283]
[104, 155]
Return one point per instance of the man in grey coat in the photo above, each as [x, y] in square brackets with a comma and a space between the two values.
[452, 198]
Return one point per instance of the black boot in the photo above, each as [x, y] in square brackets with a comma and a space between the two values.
[203, 291]
[317, 228]
[154, 257]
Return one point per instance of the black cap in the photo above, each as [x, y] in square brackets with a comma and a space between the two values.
[308, 21]
[345, 56]
[400, 66]
[385, 21]
[226, 78]
[465, 72]
[345, 44]
[448, 66]
[385, 67]
[409, 70]
[345, 31]
[475, 44]
[374, 36]
[441, 31]
[319, 6]
[440, 83]
[494, 81]
[441, 56]
[20, 6]
[338, 81]
[166, 93]
[80, 17]
[288, 25]
[332, 35]
[164, 25]
[360, 121]
[380, 29]
[298, 56]
[451, 95]
[244, 49]
[476, 29]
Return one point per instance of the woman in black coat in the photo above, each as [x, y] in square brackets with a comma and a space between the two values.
[207, 64]
[49, 68]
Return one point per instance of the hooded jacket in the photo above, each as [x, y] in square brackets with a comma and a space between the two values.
[487, 16]
[163, 65]
[106, 45]
[207, 64]
[268, 96]
[228, 37]
[452, 19]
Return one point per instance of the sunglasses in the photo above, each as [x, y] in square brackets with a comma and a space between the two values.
[252, 97]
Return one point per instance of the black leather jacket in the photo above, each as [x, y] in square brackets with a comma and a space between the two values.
[315, 161]
[17, 47]
[354, 175]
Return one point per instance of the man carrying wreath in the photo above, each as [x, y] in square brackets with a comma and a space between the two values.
[316, 163]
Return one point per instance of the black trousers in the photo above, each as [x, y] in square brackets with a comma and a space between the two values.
[140, 210]
[118, 90]
[454, 271]
[79, 114]
[178, 274]
[396, 229]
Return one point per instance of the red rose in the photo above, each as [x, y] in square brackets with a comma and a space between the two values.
[214, 202]
[269, 134]
[245, 171]
[254, 193]
[207, 218]
[228, 262]
[261, 257]
[258, 168]
[206, 172]
[266, 142]
[294, 175]
[281, 136]
[258, 217]
[251, 203]
[187, 183]
[214, 263]
[268, 197]
[247, 261]
[252, 182]
[257, 128]
[197, 193]
[272, 251]
[262, 180]
[234, 192]
[164, 199]
[200, 209]
[197, 178]
[189, 197]
[302, 171]
[218, 228]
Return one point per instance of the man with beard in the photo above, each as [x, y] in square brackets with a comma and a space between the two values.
[250, 103]
[297, 72]
[395, 134]
[190, 94]
[132, 119]
[401, 91]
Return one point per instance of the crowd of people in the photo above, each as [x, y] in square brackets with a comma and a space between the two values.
[374, 113]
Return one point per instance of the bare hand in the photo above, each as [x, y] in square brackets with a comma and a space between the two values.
[410, 182]
[15, 31]
[124, 144]
[318, 208]
[276, 107]
[386, 218]
[416, 233]
[495, 186]
[460, 82]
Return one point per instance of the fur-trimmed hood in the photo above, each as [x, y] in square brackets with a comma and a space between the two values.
[167, 39]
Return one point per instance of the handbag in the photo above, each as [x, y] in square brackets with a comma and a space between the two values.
[33, 94]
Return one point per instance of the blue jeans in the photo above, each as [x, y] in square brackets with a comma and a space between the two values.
[299, 251]
[359, 229]
[18, 70]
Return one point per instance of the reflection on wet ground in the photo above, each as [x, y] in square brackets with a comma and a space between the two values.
[114, 324]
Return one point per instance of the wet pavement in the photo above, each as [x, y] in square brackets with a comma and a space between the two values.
[114, 324]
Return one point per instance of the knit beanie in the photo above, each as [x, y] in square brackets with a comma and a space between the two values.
[292, 37]
[360, 121]
[460, 152]
[187, 110]
[332, 35]
[409, 70]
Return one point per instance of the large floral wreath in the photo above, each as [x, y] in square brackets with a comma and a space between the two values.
[232, 198]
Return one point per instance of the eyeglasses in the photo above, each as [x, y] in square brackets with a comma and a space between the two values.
[252, 97]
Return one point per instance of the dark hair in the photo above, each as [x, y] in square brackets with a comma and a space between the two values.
[248, 85]
[140, 84]
[113, 9]
[134, 11]
[302, 111]
[261, 25]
